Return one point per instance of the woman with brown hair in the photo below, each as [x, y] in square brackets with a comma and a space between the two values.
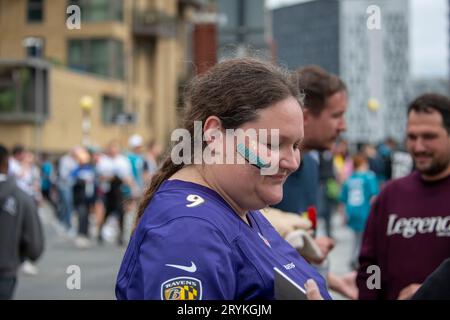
[199, 233]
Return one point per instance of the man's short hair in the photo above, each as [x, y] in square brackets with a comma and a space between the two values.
[318, 85]
[429, 102]
[4, 155]
[358, 160]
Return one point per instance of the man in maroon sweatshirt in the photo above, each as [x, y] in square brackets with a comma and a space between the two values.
[408, 231]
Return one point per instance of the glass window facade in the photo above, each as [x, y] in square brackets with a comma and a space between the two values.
[101, 56]
[100, 10]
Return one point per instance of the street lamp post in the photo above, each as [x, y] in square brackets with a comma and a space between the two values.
[86, 104]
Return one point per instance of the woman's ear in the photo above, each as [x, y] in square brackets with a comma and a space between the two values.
[211, 129]
[213, 136]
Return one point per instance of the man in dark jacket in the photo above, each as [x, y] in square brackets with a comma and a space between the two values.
[437, 285]
[20, 230]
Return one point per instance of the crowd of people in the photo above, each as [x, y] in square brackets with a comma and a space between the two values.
[82, 189]
[87, 185]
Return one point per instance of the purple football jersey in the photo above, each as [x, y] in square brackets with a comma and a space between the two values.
[191, 245]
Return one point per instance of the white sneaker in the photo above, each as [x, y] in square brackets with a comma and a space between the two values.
[82, 243]
[29, 268]
[110, 230]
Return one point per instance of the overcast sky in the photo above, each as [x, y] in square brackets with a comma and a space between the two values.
[429, 37]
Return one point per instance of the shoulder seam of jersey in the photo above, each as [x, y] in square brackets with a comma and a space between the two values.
[147, 229]
[209, 206]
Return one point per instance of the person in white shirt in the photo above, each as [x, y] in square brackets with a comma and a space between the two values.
[116, 183]
[15, 161]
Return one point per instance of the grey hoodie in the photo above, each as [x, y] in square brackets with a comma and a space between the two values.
[21, 234]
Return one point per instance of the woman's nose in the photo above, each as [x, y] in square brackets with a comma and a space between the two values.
[290, 161]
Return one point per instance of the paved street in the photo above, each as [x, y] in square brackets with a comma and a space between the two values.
[340, 256]
[99, 266]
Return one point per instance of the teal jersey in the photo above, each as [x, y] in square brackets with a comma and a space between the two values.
[356, 194]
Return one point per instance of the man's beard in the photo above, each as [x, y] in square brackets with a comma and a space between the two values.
[436, 167]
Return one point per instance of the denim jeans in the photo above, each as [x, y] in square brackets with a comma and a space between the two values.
[65, 214]
[7, 286]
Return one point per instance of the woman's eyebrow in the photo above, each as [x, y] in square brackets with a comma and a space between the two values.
[284, 137]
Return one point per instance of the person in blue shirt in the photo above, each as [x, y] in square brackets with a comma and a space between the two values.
[199, 232]
[357, 193]
[83, 195]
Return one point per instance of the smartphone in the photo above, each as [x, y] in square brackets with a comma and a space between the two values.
[286, 288]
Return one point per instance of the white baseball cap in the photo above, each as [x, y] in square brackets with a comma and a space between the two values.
[135, 141]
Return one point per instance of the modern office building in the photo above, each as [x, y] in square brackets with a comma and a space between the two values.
[366, 42]
[419, 86]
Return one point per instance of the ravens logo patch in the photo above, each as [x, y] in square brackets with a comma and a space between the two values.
[182, 288]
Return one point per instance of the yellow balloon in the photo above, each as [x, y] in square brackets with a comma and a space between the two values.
[373, 104]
